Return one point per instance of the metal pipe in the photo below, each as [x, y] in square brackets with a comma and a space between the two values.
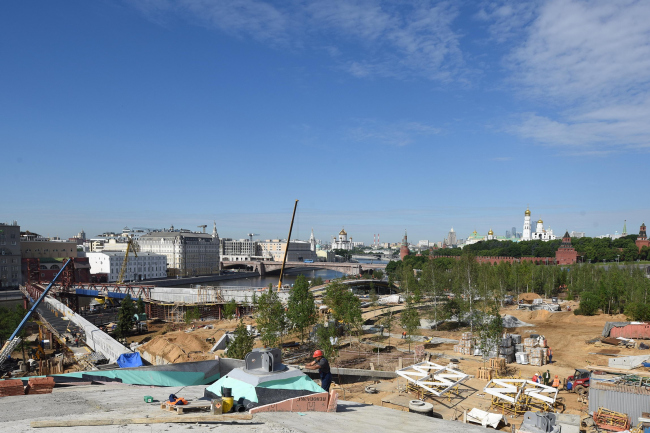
[286, 250]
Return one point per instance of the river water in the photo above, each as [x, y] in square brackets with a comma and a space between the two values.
[289, 278]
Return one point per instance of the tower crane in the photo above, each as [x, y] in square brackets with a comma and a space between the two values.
[250, 235]
[203, 227]
[129, 247]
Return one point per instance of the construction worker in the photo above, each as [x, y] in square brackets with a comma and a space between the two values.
[546, 377]
[320, 363]
[556, 382]
[403, 335]
[550, 355]
[535, 378]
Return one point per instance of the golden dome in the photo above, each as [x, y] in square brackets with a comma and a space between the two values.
[342, 233]
[540, 222]
[490, 233]
[527, 213]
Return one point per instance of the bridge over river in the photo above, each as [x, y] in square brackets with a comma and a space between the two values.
[264, 267]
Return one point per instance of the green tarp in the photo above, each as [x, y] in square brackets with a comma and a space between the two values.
[247, 391]
[147, 377]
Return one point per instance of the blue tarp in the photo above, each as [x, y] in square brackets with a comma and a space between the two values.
[130, 360]
[646, 364]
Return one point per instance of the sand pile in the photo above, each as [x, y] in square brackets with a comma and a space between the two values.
[528, 297]
[181, 346]
[540, 315]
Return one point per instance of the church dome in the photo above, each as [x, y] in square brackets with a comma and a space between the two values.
[490, 233]
[527, 213]
[540, 222]
[343, 233]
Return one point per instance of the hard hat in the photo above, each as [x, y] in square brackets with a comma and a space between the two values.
[556, 376]
[318, 353]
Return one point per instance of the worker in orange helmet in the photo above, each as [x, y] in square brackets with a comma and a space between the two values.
[320, 363]
[556, 382]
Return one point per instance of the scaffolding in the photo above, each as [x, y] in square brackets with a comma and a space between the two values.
[519, 396]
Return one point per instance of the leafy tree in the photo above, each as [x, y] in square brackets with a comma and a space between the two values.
[192, 314]
[318, 281]
[377, 274]
[588, 304]
[230, 309]
[125, 319]
[271, 318]
[489, 334]
[324, 340]
[410, 320]
[242, 343]
[139, 306]
[301, 309]
[387, 323]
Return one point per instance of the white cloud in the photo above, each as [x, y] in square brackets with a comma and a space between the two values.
[590, 60]
[506, 18]
[394, 134]
[370, 38]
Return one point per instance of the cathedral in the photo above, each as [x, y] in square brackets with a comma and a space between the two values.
[539, 233]
[342, 242]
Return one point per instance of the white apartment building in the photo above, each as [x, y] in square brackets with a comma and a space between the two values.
[144, 266]
[188, 253]
[298, 250]
[234, 250]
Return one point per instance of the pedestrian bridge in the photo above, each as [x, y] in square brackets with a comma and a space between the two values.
[264, 267]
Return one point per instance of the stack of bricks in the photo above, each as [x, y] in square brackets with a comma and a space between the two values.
[11, 387]
[40, 385]
[464, 347]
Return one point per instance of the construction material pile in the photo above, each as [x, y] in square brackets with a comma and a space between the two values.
[534, 351]
[506, 348]
[464, 347]
[11, 387]
[40, 385]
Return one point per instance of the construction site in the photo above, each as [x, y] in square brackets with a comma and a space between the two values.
[550, 371]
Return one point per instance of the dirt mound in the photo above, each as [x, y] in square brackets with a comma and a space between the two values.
[528, 297]
[181, 346]
[540, 315]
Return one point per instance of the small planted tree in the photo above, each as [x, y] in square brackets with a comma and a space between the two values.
[192, 314]
[410, 320]
[125, 319]
[490, 332]
[271, 318]
[242, 343]
[325, 336]
[301, 309]
[230, 309]
[139, 306]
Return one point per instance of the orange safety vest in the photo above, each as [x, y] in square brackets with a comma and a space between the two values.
[556, 382]
[180, 401]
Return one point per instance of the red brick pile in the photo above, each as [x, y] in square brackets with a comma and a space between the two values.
[40, 385]
[11, 387]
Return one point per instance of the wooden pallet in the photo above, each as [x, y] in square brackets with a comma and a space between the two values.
[191, 405]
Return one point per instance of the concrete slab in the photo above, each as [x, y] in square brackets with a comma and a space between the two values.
[117, 402]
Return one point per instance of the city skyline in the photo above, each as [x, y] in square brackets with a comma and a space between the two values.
[377, 116]
[302, 230]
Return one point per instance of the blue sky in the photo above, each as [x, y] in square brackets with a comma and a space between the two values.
[378, 116]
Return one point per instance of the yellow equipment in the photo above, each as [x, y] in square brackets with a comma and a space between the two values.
[130, 246]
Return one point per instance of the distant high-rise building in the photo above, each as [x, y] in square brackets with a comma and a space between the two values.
[514, 232]
[508, 233]
[451, 238]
